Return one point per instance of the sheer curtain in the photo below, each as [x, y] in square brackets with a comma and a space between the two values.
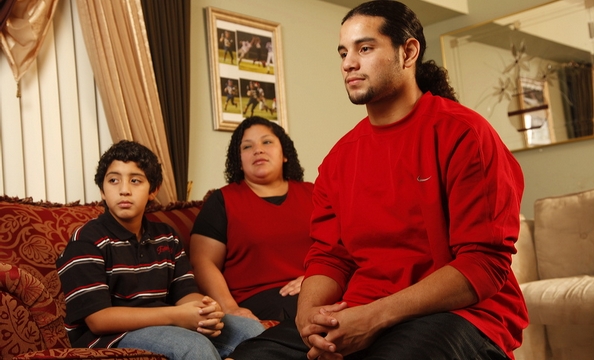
[116, 41]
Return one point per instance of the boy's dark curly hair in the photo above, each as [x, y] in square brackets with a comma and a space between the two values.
[401, 24]
[292, 170]
[125, 151]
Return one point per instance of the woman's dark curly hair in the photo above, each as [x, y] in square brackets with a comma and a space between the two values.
[292, 170]
[125, 151]
[401, 24]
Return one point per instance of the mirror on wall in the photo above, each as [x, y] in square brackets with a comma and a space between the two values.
[529, 74]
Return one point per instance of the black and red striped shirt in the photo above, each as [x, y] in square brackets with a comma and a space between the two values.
[104, 265]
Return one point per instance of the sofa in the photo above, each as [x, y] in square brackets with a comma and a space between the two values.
[32, 306]
[554, 265]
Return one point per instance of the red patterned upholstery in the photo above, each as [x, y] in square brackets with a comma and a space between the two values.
[269, 323]
[104, 354]
[29, 309]
[32, 307]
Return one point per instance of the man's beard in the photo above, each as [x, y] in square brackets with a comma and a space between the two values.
[361, 99]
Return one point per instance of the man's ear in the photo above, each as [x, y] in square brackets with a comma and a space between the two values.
[153, 195]
[411, 52]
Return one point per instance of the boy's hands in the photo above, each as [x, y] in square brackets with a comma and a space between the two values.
[194, 312]
[211, 326]
[203, 316]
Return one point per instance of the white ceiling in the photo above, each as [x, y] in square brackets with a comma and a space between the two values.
[428, 13]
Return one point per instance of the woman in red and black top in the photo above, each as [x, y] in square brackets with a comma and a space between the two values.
[249, 241]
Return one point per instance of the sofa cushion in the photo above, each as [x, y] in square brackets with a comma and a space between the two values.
[564, 235]
[33, 234]
[524, 261]
[28, 308]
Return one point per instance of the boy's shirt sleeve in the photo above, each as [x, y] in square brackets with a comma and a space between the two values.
[81, 268]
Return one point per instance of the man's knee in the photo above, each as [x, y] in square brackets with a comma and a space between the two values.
[279, 342]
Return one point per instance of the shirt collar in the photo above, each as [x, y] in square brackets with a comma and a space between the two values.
[118, 230]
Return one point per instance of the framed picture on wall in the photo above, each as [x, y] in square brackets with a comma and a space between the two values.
[537, 120]
[246, 69]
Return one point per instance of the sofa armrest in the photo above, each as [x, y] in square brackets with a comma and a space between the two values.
[560, 301]
[34, 320]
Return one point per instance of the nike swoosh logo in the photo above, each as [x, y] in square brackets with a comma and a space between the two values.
[420, 179]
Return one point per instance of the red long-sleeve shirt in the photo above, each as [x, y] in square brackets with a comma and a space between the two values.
[394, 203]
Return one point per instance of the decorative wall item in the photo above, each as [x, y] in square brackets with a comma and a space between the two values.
[491, 64]
[528, 111]
[246, 69]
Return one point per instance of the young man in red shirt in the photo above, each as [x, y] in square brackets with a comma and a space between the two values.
[416, 212]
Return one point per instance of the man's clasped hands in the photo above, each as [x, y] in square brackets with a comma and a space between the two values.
[334, 331]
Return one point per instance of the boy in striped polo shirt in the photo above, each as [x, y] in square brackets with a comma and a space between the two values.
[128, 282]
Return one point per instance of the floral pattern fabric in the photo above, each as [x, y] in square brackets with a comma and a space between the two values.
[32, 306]
[104, 354]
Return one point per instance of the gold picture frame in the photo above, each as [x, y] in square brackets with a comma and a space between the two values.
[246, 69]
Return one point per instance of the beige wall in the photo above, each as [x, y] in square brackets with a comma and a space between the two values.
[556, 170]
[319, 112]
[318, 109]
